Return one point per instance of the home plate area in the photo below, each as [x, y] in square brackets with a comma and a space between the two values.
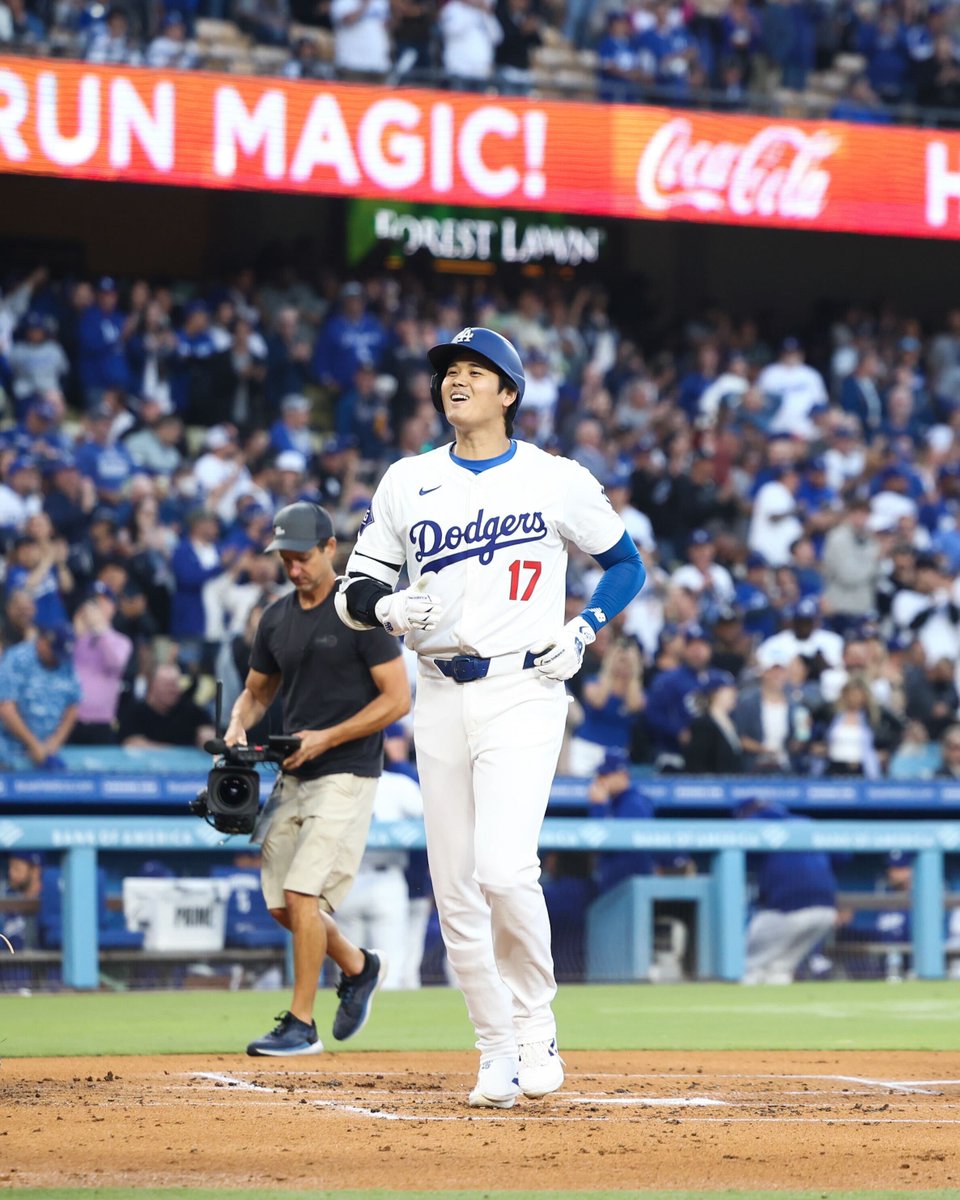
[636, 1120]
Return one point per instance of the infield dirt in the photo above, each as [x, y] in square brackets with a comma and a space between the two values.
[362, 1120]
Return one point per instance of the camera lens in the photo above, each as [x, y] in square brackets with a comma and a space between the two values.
[233, 791]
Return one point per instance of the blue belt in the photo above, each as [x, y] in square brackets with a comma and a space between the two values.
[465, 668]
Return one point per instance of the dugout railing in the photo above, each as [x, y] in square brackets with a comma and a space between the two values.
[723, 844]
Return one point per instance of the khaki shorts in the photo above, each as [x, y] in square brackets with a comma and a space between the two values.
[314, 835]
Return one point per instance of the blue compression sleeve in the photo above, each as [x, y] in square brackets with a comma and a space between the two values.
[623, 576]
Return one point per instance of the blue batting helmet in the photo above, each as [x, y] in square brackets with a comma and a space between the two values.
[492, 347]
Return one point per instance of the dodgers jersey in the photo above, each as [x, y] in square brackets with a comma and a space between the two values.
[497, 541]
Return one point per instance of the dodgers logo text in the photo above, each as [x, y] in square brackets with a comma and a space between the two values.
[480, 538]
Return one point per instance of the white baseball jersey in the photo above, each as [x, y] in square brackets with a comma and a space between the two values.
[497, 541]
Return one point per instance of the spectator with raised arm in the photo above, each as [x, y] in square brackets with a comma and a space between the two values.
[38, 566]
[100, 656]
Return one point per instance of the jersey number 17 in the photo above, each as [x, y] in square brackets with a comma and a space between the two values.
[515, 568]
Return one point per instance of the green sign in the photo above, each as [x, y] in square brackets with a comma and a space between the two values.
[470, 235]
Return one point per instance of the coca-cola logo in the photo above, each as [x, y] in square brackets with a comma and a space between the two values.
[779, 172]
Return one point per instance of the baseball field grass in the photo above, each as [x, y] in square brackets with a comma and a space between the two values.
[806, 1016]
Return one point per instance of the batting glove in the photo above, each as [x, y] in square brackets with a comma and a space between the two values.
[413, 608]
[563, 658]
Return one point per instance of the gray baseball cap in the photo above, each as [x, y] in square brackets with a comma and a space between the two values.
[301, 526]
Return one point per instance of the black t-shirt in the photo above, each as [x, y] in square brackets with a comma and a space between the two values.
[325, 678]
[178, 727]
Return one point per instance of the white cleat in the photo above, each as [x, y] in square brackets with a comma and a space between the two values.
[497, 1085]
[541, 1068]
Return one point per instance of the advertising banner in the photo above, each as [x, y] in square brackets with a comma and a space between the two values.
[199, 129]
[446, 233]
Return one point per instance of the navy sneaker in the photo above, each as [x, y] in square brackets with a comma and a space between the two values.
[356, 993]
[291, 1036]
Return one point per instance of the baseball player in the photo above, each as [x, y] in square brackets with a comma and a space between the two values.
[482, 528]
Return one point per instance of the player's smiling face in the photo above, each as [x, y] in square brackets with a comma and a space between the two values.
[472, 396]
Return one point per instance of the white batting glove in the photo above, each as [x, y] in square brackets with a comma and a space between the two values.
[563, 658]
[413, 608]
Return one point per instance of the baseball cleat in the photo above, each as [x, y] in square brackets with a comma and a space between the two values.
[497, 1085]
[291, 1036]
[356, 993]
[541, 1068]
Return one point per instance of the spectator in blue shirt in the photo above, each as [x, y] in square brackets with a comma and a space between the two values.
[696, 382]
[622, 70]
[192, 371]
[350, 338]
[673, 50]
[38, 431]
[291, 430]
[860, 104]
[195, 561]
[364, 414]
[789, 39]
[940, 511]
[671, 699]
[27, 28]
[289, 356]
[754, 596]
[99, 458]
[39, 694]
[38, 566]
[102, 336]
[884, 44]
[612, 702]
[901, 427]
[69, 499]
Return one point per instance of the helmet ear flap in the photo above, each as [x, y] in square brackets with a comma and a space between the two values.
[435, 392]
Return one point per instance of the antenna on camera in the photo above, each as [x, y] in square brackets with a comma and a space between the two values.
[218, 712]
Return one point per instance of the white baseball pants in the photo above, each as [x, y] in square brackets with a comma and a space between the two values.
[486, 752]
[777, 942]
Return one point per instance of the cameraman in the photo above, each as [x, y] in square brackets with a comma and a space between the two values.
[340, 689]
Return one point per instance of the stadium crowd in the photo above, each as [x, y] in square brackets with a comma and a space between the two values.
[867, 57]
[797, 513]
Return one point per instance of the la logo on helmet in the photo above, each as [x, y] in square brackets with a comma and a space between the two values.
[465, 335]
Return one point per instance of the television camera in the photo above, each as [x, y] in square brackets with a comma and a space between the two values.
[231, 800]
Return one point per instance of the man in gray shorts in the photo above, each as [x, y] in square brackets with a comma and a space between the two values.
[340, 689]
